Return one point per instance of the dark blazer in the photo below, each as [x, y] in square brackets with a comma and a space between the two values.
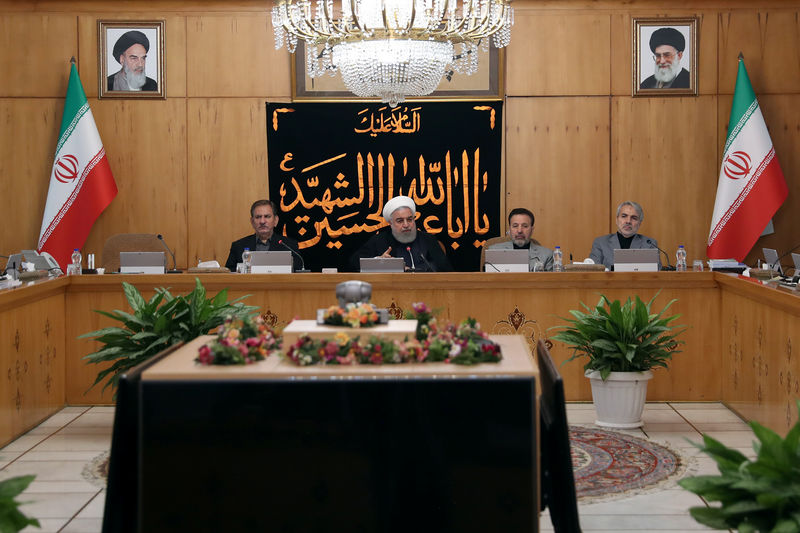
[603, 247]
[237, 247]
[425, 250]
[680, 82]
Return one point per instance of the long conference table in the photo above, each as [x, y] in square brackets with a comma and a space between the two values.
[741, 343]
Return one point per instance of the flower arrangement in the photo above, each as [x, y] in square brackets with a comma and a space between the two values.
[240, 342]
[425, 317]
[354, 315]
[464, 344]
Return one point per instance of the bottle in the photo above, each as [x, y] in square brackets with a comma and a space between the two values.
[75, 267]
[680, 259]
[558, 260]
[247, 256]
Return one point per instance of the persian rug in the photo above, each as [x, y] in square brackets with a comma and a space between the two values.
[610, 465]
[96, 471]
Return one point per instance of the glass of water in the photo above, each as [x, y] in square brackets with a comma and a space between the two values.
[697, 265]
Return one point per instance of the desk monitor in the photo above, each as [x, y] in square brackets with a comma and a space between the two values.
[796, 260]
[271, 262]
[771, 257]
[506, 260]
[382, 264]
[142, 262]
[636, 260]
[43, 261]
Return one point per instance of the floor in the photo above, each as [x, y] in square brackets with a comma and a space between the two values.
[61, 498]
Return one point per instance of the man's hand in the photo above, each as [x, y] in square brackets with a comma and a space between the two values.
[387, 253]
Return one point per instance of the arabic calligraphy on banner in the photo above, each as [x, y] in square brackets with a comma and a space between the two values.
[333, 166]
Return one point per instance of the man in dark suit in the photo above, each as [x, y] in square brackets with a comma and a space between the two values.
[667, 45]
[629, 217]
[420, 251]
[264, 219]
[130, 51]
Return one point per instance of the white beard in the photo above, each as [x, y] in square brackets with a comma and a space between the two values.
[667, 74]
[135, 80]
[405, 238]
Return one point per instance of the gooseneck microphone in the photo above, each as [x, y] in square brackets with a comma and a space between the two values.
[413, 267]
[302, 263]
[669, 266]
[174, 267]
[427, 263]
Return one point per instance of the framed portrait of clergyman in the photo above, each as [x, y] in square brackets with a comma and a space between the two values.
[131, 59]
[665, 56]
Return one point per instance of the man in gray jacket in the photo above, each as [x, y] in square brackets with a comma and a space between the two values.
[629, 218]
[520, 229]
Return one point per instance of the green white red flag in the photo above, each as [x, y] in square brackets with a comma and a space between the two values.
[81, 183]
[751, 185]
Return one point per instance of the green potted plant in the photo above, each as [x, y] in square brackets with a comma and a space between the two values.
[758, 495]
[623, 343]
[11, 518]
[157, 324]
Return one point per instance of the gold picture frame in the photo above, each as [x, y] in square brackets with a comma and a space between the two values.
[655, 50]
[141, 45]
[485, 84]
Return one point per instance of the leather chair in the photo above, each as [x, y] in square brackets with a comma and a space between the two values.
[128, 242]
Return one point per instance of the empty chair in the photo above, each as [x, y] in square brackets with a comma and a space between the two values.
[128, 242]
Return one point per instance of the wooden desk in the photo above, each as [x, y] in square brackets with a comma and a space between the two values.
[741, 347]
[272, 446]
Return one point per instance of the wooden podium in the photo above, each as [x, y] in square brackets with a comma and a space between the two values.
[276, 447]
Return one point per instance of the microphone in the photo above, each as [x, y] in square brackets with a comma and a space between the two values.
[302, 263]
[430, 266]
[174, 268]
[413, 267]
[669, 267]
[779, 259]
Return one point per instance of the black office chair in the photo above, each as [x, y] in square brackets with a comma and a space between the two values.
[557, 479]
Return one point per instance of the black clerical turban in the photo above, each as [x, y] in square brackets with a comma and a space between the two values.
[128, 39]
[669, 36]
[396, 203]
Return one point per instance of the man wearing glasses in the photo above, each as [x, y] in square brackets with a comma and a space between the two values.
[667, 45]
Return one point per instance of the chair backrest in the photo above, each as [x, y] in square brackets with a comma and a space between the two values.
[128, 242]
[556, 478]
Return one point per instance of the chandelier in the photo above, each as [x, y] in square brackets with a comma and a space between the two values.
[392, 48]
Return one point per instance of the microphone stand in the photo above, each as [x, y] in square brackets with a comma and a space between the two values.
[411, 256]
[174, 266]
[669, 267]
[302, 263]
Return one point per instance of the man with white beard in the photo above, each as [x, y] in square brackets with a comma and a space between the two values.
[130, 51]
[667, 45]
[420, 251]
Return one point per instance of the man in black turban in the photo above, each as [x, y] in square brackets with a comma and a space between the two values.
[130, 51]
[667, 45]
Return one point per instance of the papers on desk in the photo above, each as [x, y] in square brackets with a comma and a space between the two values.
[726, 265]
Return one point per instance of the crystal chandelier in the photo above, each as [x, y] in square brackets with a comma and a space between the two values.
[392, 48]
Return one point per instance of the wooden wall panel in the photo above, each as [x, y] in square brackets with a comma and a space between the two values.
[224, 134]
[569, 195]
[662, 156]
[558, 54]
[766, 38]
[234, 55]
[36, 52]
[621, 46]
[30, 132]
[174, 46]
[145, 142]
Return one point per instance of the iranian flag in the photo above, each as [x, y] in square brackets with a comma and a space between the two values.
[81, 184]
[751, 185]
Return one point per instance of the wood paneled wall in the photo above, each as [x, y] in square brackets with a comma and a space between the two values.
[576, 145]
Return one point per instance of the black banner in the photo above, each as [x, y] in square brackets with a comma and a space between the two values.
[333, 166]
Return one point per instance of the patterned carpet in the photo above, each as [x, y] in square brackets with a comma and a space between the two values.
[608, 464]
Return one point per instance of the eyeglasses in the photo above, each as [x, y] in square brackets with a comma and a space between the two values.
[666, 55]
